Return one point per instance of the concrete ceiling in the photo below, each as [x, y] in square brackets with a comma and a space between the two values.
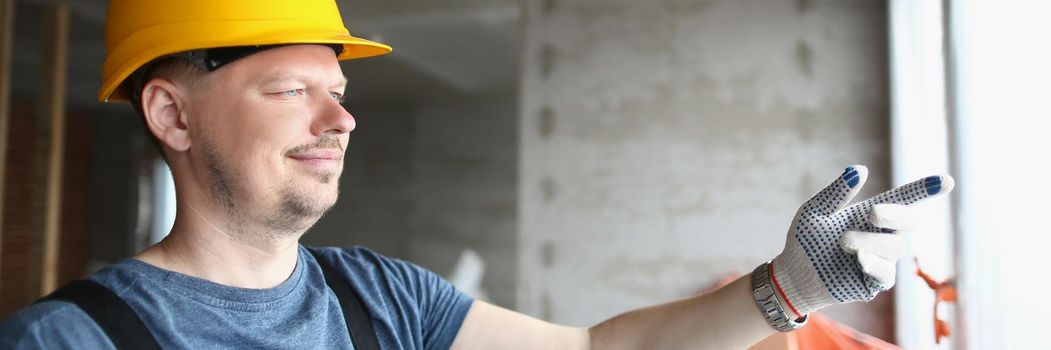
[447, 48]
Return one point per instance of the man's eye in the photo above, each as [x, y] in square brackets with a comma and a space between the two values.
[293, 92]
[337, 96]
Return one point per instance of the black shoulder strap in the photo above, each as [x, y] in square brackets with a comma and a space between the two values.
[358, 321]
[127, 331]
[109, 311]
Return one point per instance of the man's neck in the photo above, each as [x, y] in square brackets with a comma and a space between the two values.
[199, 248]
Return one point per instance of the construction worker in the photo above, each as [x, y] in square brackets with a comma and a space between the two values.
[243, 100]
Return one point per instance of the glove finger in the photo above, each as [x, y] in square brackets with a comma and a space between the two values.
[892, 216]
[880, 269]
[915, 191]
[837, 194]
[883, 245]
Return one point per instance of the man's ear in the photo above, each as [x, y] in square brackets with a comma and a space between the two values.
[163, 106]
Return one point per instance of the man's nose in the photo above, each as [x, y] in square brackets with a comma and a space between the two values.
[334, 119]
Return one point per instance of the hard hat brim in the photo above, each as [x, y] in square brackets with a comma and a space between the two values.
[123, 61]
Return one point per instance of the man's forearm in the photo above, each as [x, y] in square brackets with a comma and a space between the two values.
[723, 319]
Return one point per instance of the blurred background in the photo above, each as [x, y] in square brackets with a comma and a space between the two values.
[574, 159]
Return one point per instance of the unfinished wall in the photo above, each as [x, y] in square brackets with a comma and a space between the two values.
[465, 189]
[666, 144]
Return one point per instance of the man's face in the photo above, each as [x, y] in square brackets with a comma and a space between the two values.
[268, 135]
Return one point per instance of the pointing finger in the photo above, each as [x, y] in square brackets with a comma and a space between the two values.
[915, 191]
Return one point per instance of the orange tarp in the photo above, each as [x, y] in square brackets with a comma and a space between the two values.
[823, 333]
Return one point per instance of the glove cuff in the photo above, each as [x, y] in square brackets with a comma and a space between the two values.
[770, 304]
[798, 285]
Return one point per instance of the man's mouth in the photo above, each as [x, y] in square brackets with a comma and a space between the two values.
[322, 160]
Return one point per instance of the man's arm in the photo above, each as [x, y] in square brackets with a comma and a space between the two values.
[492, 327]
[834, 254]
[726, 318]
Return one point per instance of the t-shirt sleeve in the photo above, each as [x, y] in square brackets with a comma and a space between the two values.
[443, 307]
[52, 325]
[438, 307]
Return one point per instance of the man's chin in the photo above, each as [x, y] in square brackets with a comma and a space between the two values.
[298, 210]
[310, 207]
[321, 177]
[321, 191]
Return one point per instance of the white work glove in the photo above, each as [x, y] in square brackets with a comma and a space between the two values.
[838, 254]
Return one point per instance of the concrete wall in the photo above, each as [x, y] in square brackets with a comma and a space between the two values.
[466, 188]
[666, 144]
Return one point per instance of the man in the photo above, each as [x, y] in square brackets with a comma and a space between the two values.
[244, 102]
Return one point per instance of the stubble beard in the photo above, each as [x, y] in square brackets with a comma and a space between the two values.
[294, 213]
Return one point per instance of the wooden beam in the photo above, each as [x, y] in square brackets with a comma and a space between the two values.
[53, 106]
[7, 28]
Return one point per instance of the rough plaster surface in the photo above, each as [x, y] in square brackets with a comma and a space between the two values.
[668, 143]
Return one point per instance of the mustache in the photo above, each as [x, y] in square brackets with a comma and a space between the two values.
[326, 141]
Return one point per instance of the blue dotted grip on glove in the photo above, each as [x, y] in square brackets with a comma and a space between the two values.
[822, 221]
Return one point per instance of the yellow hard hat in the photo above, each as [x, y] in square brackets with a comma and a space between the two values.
[140, 31]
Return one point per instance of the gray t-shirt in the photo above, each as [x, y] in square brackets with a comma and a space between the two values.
[411, 308]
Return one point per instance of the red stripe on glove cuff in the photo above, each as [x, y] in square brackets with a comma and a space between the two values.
[784, 297]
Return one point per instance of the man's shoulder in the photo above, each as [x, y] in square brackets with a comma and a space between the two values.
[403, 294]
[40, 314]
[377, 273]
[356, 255]
[359, 261]
[352, 252]
[51, 324]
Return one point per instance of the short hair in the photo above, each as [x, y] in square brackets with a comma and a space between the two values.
[177, 70]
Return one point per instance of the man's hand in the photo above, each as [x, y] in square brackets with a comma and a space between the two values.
[838, 254]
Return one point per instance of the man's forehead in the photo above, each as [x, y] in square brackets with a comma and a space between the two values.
[306, 63]
[281, 76]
